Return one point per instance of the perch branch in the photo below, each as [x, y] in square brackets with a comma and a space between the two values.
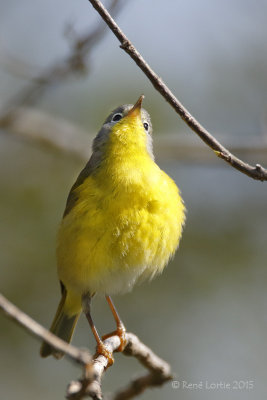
[159, 371]
[80, 356]
[255, 172]
[90, 384]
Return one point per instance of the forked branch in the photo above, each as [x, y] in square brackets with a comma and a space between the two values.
[94, 367]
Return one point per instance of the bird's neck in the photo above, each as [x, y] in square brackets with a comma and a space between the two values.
[126, 165]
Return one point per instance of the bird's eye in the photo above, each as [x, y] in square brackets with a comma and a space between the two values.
[117, 117]
[145, 126]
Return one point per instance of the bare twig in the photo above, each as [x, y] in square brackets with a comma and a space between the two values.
[81, 356]
[138, 385]
[90, 384]
[49, 131]
[57, 133]
[159, 371]
[257, 172]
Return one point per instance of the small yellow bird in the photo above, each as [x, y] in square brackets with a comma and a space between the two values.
[123, 221]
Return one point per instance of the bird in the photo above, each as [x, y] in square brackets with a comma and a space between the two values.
[122, 223]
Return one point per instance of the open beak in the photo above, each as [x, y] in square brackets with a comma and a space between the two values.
[136, 109]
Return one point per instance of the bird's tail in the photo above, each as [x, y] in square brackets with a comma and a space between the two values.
[62, 326]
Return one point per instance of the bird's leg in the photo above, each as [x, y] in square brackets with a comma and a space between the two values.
[100, 348]
[120, 331]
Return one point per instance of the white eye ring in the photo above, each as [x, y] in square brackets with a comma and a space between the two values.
[116, 117]
[146, 126]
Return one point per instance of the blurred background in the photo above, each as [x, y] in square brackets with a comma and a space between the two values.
[206, 314]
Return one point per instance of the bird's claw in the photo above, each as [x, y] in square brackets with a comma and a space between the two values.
[103, 351]
[121, 332]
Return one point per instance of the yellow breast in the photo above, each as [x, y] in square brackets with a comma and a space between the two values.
[124, 227]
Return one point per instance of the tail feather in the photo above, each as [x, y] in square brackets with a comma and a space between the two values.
[62, 326]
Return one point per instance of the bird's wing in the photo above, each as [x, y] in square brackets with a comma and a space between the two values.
[73, 197]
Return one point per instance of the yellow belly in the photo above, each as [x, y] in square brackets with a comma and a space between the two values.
[119, 232]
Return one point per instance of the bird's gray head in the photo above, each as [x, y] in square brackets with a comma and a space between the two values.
[115, 116]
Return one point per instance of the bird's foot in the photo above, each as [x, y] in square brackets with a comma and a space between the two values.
[103, 351]
[121, 332]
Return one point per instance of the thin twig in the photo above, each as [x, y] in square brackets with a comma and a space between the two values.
[56, 133]
[81, 356]
[257, 172]
[159, 370]
[50, 131]
[137, 386]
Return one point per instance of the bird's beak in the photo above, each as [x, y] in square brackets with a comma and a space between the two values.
[136, 109]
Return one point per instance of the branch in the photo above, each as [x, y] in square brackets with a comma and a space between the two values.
[80, 356]
[56, 133]
[159, 371]
[257, 172]
[90, 384]
[49, 131]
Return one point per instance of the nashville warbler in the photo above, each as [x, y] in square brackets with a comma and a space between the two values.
[122, 222]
